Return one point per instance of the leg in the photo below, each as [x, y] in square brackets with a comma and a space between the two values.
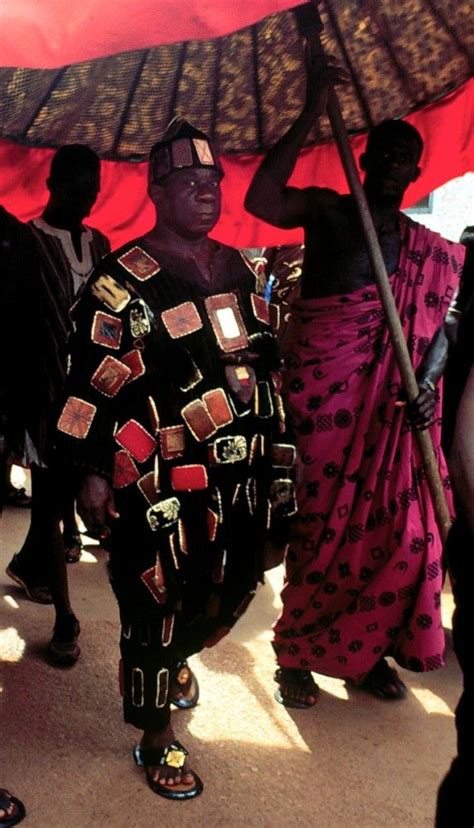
[71, 535]
[42, 555]
[28, 567]
[296, 688]
[147, 667]
[454, 795]
[384, 682]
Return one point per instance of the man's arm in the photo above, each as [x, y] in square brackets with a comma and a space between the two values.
[461, 460]
[268, 197]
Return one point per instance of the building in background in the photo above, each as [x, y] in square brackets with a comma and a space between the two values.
[449, 209]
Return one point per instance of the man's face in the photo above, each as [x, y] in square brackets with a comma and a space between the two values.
[76, 193]
[189, 201]
[390, 165]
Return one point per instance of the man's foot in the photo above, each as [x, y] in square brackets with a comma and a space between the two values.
[296, 688]
[12, 811]
[63, 649]
[35, 591]
[384, 682]
[72, 547]
[184, 690]
[166, 766]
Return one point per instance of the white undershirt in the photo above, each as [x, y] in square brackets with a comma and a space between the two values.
[80, 270]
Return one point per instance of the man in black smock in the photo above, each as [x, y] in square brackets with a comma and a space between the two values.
[175, 424]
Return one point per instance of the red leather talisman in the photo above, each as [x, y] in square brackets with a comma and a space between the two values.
[148, 488]
[134, 361]
[106, 330]
[138, 442]
[76, 417]
[139, 263]
[125, 470]
[218, 407]
[110, 376]
[227, 323]
[172, 442]
[182, 320]
[283, 454]
[275, 316]
[154, 580]
[198, 420]
[189, 478]
[260, 308]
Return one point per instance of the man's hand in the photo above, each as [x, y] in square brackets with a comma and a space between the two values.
[96, 505]
[321, 77]
[421, 411]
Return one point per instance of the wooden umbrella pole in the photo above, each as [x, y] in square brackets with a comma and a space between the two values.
[402, 355]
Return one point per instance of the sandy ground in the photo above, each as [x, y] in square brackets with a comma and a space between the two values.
[352, 761]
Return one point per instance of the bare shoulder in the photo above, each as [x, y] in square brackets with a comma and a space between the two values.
[322, 202]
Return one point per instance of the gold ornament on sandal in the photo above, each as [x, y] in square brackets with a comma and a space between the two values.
[174, 757]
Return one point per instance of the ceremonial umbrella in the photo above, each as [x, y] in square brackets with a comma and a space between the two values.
[244, 88]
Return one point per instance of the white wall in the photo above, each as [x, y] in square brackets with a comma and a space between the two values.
[453, 208]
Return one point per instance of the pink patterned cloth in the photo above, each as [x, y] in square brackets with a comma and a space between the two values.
[363, 575]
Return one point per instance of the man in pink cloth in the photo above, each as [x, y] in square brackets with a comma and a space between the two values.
[363, 572]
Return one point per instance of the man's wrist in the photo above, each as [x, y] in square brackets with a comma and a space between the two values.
[427, 383]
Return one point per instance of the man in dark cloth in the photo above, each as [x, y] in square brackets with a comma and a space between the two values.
[69, 251]
[25, 408]
[455, 798]
[363, 570]
[175, 425]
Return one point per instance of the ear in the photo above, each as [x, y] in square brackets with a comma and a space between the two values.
[155, 192]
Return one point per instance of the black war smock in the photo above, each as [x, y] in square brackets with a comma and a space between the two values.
[174, 397]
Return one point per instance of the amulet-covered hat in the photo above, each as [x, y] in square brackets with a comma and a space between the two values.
[182, 146]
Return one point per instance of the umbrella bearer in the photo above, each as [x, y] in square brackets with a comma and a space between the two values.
[175, 424]
[363, 569]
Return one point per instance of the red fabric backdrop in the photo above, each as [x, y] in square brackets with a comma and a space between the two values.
[43, 34]
[123, 210]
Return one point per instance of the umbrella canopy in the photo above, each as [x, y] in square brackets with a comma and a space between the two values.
[246, 88]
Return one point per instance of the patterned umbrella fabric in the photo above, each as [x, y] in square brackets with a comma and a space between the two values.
[245, 89]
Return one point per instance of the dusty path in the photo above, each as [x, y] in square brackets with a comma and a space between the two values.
[353, 761]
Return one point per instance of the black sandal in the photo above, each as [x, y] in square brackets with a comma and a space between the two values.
[63, 649]
[183, 675]
[37, 592]
[380, 679]
[6, 801]
[304, 680]
[172, 756]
